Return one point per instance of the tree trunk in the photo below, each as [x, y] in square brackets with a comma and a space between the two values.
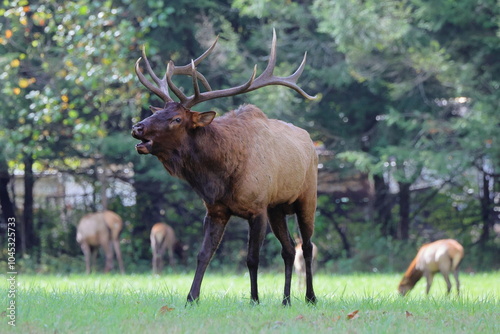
[383, 206]
[102, 178]
[486, 205]
[28, 240]
[6, 205]
[404, 211]
[346, 245]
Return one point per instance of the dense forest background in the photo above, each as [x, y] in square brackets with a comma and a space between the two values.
[407, 122]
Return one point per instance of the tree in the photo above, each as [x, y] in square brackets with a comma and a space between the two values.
[411, 54]
[58, 79]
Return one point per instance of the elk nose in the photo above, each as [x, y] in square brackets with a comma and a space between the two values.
[138, 129]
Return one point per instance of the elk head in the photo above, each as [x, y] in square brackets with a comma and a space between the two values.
[165, 130]
[405, 286]
[167, 127]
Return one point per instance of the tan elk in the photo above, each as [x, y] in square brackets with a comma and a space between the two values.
[439, 256]
[300, 264]
[100, 229]
[241, 164]
[162, 239]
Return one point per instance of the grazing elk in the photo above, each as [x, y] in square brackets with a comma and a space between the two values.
[162, 239]
[241, 164]
[441, 255]
[300, 264]
[100, 229]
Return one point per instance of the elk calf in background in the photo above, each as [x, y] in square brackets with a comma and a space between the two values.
[441, 255]
[100, 229]
[300, 264]
[163, 239]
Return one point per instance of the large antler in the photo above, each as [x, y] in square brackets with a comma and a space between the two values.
[161, 90]
[265, 79]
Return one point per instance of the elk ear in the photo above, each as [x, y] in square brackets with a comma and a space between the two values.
[154, 109]
[201, 119]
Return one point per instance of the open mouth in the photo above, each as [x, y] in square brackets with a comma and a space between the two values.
[145, 147]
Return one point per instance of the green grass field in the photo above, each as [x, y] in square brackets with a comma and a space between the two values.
[151, 304]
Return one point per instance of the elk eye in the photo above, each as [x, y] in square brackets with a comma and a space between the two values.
[177, 120]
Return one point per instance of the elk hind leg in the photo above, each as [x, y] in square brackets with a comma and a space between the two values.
[448, 283]
[116, 246]
[153, 263]
[161, 254]
[277, 219]
[108, 251]
[429, 277]
[87, 253]
[445, 268]
[154, 252]
[455, 274]
[305, 218]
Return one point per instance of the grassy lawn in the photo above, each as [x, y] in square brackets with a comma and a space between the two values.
[151, 304]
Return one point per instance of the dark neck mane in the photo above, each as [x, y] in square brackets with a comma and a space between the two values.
[203, 160]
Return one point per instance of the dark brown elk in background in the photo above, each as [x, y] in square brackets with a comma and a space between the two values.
[241, 164]
[439, 256]
[162, 239]
[300, 264]
[100, 229]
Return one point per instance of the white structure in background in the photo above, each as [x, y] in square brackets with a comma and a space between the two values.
[59, 189]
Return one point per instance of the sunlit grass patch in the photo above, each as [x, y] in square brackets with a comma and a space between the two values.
[157, 304]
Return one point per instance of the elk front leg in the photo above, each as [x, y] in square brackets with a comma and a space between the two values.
[213, 228]
[256, 234]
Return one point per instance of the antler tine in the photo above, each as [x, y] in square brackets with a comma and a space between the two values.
[267, 77]
[268, 72]
[193, 100]
[161, 89]
[168, 74]
[186, 69]
[195, 81]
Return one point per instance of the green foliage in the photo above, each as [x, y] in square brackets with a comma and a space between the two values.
[375, 253]
[408, 92]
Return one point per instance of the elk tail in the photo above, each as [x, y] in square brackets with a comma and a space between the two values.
[158, 242]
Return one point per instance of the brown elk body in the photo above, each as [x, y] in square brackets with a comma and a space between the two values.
[300, 264]
[241, 164]
[162, 239]
[439, 256]
[100, 229]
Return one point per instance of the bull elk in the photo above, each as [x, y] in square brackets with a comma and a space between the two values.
[441, 255]
[300, 264]
[162, 239]
[241, 163]
[100, 229]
